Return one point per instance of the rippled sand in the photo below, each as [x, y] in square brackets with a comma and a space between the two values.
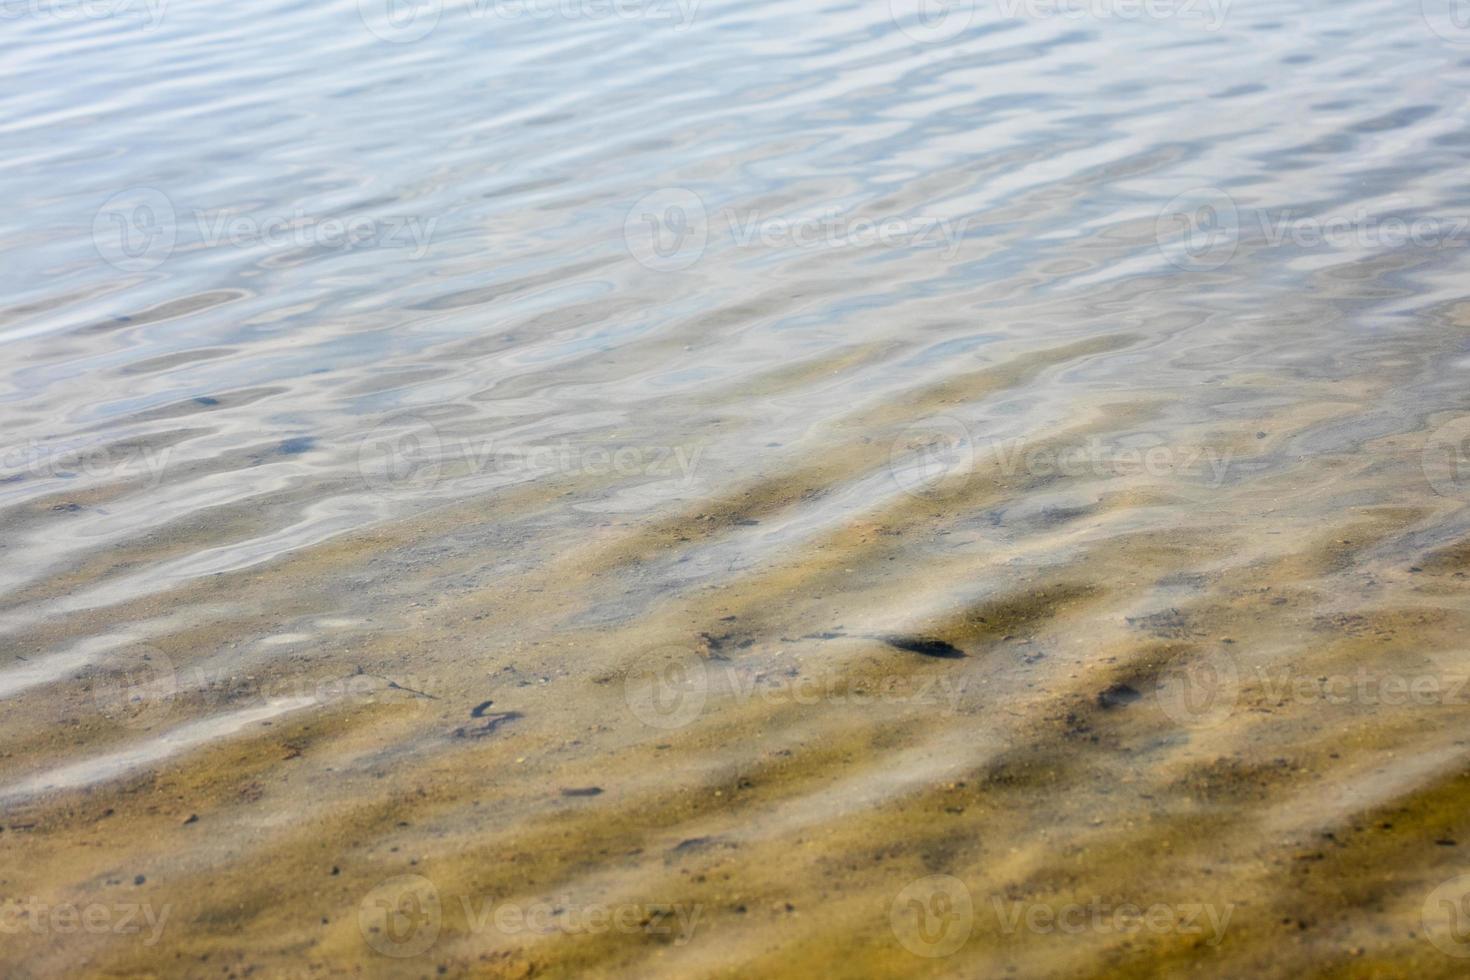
[624, 561]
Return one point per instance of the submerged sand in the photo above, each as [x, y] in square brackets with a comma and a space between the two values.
[1145, 722]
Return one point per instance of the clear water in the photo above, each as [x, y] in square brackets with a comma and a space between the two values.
[676, 376]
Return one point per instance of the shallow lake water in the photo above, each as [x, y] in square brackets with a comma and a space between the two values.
[695, 488]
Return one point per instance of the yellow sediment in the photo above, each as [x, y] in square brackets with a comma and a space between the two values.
[826, 769]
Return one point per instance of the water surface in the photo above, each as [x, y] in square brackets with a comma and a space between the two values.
[752, 489]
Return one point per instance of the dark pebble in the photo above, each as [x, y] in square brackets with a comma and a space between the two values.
[928, 646]
[1118, 695]
[492, 722]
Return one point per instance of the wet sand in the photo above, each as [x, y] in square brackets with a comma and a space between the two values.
[764, 758]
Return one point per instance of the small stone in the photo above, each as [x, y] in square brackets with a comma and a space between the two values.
[927, 646]
[1118, 695]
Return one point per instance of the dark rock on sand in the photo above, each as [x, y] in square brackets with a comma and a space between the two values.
[926, 645]
[1117, 696]
[492, 722]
